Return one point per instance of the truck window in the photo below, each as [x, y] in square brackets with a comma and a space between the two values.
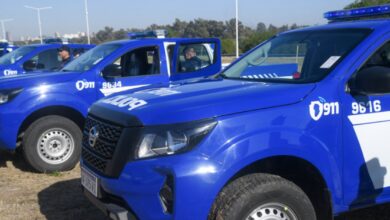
[193, 57]
[380, 58]
[76, 52]
[47, 60]
[141, 61]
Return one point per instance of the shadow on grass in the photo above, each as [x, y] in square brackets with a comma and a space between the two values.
[65, 200]
[17, 160]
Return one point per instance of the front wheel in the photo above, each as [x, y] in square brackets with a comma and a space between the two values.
[52, 143]
[262, 197]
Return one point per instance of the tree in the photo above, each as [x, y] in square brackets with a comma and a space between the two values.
[179, 27]
[294, 26]
[105, 35]
[120, 34]
[254, 40]
[366, 3]
[225, 30]
[272, 29]
[261, 28]
[228, 46]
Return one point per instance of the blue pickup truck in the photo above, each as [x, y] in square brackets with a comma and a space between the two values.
[37, 58]
[43, 114]
[297, 128]
[6, 47]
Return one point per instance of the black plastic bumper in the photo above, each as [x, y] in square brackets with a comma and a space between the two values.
[113, 211]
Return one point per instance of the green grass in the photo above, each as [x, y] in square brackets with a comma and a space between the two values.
[55, 174]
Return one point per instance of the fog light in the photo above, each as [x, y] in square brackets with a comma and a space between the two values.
[167, 195]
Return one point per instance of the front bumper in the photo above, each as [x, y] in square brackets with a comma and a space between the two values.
[140, 185]
[111, 210]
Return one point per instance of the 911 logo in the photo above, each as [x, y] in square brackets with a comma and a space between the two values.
[84, 84]
[321, 108]
[10, 72]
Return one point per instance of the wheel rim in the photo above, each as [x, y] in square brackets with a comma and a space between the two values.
[55, 146]
[272, 211]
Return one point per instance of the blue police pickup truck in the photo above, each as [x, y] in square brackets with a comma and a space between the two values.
[297, 128]
[37, 58]
[6, 47]
[43, 114]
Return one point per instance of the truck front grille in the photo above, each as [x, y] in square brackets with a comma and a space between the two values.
[104, 138]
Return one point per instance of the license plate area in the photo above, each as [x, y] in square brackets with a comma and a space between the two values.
[90, 182]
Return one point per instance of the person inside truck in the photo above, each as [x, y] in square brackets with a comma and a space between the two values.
[191, 61]
[64, 53]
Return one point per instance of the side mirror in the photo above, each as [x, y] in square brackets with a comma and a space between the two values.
[112, 71]
[30, 65]
[371, 80]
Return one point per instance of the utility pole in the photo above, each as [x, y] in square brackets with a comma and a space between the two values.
[237, 46]
[87, 20]
[39, 18]
[2, 21]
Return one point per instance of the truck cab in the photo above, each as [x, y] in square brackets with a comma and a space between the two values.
[43, 114]
[37, 58]
[297, 128]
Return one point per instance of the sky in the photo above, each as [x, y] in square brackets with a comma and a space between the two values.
[68, 16]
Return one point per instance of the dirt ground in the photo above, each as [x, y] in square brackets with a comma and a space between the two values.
[28, 195]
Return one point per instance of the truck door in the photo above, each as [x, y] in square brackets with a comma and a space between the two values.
[366, 129]
[196, 58]
[136, 68]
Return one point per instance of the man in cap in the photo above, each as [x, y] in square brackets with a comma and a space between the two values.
[191, 61]
[64, 53]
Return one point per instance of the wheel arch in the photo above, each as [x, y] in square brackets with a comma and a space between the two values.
[308, 178]
[60, 110]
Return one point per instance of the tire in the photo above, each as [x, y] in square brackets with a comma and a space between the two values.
[52, 143]
[262, 196]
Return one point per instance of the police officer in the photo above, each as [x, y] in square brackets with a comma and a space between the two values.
[64, 53]
[191, 62]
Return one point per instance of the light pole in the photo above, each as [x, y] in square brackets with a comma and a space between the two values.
[87, 20]
[237, 46]
[39, 17]
[2, 21]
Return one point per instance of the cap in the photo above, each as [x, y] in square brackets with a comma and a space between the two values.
[64, 48]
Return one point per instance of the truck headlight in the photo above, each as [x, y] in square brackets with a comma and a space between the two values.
[172, 139]
[8, 95]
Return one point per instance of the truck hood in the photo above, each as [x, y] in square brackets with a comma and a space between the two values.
[34, 79]
[194, 101]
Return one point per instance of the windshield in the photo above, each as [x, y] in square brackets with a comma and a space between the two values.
[14, 56]
[90, 58]
[297, 57]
